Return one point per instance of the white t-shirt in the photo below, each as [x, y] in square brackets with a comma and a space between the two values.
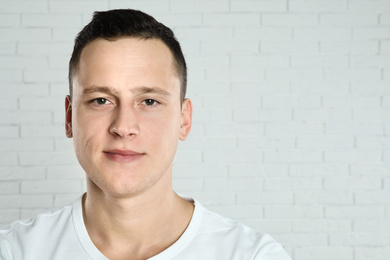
[61, 234]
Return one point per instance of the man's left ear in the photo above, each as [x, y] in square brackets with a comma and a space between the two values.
[68, 117]
[186, 119]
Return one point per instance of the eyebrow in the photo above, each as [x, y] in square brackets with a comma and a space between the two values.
[137, 90]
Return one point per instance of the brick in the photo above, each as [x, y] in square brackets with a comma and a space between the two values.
[8, 216]
[51, 20]
[204, 33]
[370, 88]
[322, 34]
[318, 6]
[51, 48]
[8, 159]
[65, 172]
[17, 145]
[225, 156]
[286, 19]
[61, 200]
[215, 198]
[294, 128]
[228, 143]
[24, 34]
[9, 104]
[43, 103]
[384, 18]
[238, 212]
[211, 60]
[45, 75]
[291, 101]
[261, 115]
[40, 131]
[264, 88]
[266, 197]
[373, 142]
[322, 225]
[9, 20]
[373, 197]
[315, 87]
[64, 34]
[11, 76]
[30, 201]
[50, 187]
[229, 47]
[258, 169]
[12, 173]
[293, 212]
[178, 20]
[290, 184]
[235, 74]
[9, 131]
[231, 101]
[46, 158]
[202, 6]
[77, 6]
[302, 240]
[353, 128]
[23, 7]
[377, 253]
[231, 184]
[18, 62]
[353, 183]
[199, 170]
[287, 47]
[263, 33]
[231, 19]
[265, 142]
[366, 6]
[324, 197]
[213, 115]
[151, 7]
[353, 75]
[349, 19]
[24, 117]
[258, 6]
[294, 74]
[324, 115]
[371, 33]
[369, 61]
[335, 253]
[376, 169]
[372, 225]
[350, 211]
[292, 156]
[320, 61]
[349, 47]
[327, 169]
[182, 185]
[7, 48]
[189, 156]
[325, 142]
[260, 60]
[9, 188]
[350, 155]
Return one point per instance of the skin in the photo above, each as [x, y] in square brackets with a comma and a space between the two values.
[125, 118]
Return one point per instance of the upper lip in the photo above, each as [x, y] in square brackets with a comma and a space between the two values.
[123, 152]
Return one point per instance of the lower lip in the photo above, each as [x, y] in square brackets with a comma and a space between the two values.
[120, 158]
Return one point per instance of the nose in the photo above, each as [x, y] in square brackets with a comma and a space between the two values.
[124, 123]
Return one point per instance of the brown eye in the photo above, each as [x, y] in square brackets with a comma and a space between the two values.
[100, 101]
[150, 102]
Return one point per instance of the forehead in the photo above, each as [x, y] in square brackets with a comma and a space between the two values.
[131, 60]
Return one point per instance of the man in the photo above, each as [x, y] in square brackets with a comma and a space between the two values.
[126, 112]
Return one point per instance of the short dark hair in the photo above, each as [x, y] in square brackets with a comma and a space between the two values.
[114, 24]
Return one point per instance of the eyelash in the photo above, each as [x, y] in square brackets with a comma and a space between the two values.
[153, 101]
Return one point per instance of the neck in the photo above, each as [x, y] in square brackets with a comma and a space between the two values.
[141, 225]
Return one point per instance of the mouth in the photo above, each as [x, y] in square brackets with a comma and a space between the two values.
[123, 156]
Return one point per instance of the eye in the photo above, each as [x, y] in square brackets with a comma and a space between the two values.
[100, 101]
[149, 102]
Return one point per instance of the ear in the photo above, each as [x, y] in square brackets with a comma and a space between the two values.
[68, 117]
[186, 119]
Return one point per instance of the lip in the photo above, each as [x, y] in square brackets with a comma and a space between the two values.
[123, 156]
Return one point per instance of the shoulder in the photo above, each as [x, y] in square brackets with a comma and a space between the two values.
[19, 235]
[238, 238]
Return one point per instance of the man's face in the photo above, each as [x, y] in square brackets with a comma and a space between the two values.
[125, 115]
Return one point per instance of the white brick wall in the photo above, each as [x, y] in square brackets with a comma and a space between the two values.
[291, 121]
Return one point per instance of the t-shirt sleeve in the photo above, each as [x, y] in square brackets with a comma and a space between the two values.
[273, 251]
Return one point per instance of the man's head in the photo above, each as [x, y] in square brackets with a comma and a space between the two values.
[115, 24]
